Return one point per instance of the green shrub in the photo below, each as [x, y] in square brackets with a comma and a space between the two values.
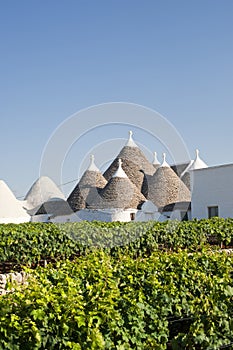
[104, 302]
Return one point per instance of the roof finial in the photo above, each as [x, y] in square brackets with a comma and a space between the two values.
[164, 164]
[120, 172]
[198, 163]
[130, 142]
[92, 166]
[155, 160]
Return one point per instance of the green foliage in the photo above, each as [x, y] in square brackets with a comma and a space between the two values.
[133, 286]
[28, 243]
[101, 301]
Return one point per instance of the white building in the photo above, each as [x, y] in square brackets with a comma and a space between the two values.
[107, 215]
[212, 193]
[131, 188]
[11, 210]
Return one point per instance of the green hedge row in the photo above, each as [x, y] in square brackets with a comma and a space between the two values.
[31, 242]
[120, 303]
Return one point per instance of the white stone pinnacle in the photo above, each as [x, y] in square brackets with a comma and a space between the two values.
[120, 172]
[197, 163]
[155, 160]
[130, 142]
[164, 164]
[92, 166]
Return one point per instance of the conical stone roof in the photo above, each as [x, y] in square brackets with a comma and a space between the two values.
[186, 180]
[41, 191]
[134, 163]
[55, 208]
[149, 178]
[87, 188]
[166, 187]
[179, 169]
[120, 192]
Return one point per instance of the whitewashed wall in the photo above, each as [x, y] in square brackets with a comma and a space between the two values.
[15, 220]
[141, 216]
[212, 187]
[107, 215]
[66, 218]
[57, 219]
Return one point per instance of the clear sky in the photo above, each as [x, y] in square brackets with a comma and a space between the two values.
[57, 57]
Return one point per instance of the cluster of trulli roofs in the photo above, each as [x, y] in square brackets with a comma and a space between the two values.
[131, 188]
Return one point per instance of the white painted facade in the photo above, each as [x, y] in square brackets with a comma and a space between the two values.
[212, 187]
[14, 220]
[149, 212]
[11, 209]
[56, 219]
[107, 215]
[65, 218]
[140, 216]
[177, 214]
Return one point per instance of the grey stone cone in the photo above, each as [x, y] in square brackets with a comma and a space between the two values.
[135, 165]
[85, 191]
[119, 193]
[165, 187]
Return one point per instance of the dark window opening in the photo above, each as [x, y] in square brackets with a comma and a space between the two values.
[184, 215]
[132, 216]
[212, 211]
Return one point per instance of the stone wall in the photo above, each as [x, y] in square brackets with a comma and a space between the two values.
[12, 277]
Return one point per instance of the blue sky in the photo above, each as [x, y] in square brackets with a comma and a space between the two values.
[58, 57]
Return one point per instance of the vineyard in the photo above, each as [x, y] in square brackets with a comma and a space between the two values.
[118, 286]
